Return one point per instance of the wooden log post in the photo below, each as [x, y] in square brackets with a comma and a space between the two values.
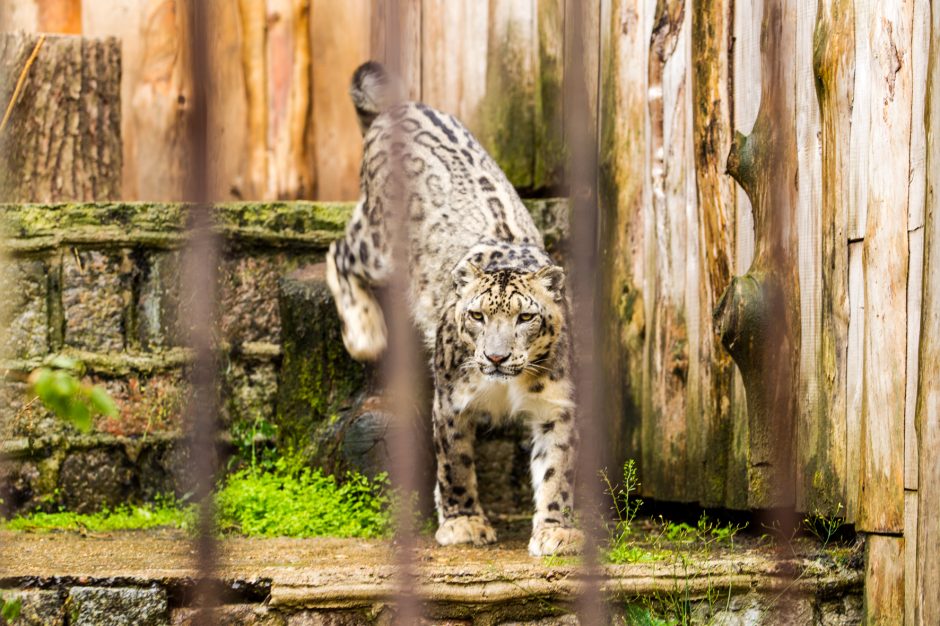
[758, 315]
[622, 194]
[824, 467]
[60, 134]
[926, 597]
[711, 121]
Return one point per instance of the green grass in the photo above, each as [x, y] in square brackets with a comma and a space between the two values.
[123, 517]
[289, 501]
[279, 500]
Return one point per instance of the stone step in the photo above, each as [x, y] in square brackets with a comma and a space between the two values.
[147, 578]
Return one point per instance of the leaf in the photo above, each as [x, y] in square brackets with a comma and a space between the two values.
[11, 609]
[102, 402]
[65, 363]
[79, 415]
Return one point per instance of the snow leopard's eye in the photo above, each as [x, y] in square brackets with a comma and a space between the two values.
[526, 317]
[476, 315]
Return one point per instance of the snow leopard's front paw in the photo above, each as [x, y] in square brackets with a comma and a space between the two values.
[557, 540]
[473, 529]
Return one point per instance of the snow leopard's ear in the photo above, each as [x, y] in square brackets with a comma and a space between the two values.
[552, 278]
[465, 273]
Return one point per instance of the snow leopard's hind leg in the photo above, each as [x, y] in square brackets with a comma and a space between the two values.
[355, 265]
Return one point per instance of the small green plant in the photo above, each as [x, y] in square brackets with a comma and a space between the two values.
[625, 508]
[60, 388]
[289, 500]
[165, 513]
[10, 609]
[248, 436]
[824, 527]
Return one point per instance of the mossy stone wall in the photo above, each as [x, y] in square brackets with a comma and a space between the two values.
[100, 282]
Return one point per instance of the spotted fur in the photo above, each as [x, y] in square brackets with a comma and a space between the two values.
[487, 299]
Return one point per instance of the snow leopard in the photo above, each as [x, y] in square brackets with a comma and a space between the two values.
[486, 298]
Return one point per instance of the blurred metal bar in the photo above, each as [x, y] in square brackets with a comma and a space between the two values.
[401, 366]
[581, 143]
[199, 298]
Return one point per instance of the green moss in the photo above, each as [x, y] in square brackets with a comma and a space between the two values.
[27, 227]
[126, 517]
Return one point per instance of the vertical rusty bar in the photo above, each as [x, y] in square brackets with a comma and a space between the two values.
[581, 143]
[401, 367]
[199, 289]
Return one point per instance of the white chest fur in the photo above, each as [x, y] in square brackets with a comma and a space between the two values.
[504, 398]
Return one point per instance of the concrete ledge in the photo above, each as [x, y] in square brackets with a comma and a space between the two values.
[289, 576]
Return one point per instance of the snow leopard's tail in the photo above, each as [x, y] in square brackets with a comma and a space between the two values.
[373, 90]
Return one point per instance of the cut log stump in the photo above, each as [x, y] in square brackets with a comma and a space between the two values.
[60, 138]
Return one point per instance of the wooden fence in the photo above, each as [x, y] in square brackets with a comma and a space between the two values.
[768, 201]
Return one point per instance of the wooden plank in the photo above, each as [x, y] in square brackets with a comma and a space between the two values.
[454, 55]
[506, 119]
[910, 557]
[920, 45]
[823, 448]
[746, 89]
[340, 39]
[623, 196]
[915, 285]
[252, 45]
[288, 109]
[16, 16]
[549, 103]
[853, 378]
[884, 580]
[812, 421]
[746, 94]
[881, 501]
[403, 31]
[928, 395]
[861, 121]
[712, 252]
[156, 95]
[62, 17]
[667, 356]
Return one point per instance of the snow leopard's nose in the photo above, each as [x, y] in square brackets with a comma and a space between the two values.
[496, 359]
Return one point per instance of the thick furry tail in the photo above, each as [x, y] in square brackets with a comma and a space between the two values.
[373, 91]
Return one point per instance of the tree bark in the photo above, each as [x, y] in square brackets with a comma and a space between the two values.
[62, 139]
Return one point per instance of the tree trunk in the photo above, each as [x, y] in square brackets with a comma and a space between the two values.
[758, 315]
[62, 139]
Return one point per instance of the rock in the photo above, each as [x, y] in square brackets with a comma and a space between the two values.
[328, 618]
[95, 286]
[116, 606]
[317, 377]
[248, 391]
[158, 300]
[92, 479]
[232, 615]
[561, 620]
[842, 611]
[249, 299]
[25, 284]
[37, 608]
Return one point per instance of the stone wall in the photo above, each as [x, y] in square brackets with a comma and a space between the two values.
[101, 283]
